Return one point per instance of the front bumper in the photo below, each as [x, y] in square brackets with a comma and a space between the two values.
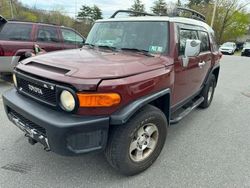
[60, 132]
[245, 53]
[226, 51]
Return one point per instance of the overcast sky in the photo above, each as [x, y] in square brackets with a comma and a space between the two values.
[73, 6]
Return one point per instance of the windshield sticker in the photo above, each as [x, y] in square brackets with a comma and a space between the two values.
[155, 49]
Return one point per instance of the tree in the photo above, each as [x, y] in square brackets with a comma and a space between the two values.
[199, 2]
[160, 7]
[96, 13]
[138, 7]
[231, 20]
[90, 13]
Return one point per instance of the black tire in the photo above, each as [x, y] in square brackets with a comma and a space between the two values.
[208, 97]
[120, 139]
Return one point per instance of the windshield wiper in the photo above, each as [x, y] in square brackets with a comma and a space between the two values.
[144, 52]
[89, 45]
[107, 47]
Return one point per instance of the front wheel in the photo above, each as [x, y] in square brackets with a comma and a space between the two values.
[134, 146]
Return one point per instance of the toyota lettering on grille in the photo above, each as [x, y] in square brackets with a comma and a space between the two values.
[35, 89]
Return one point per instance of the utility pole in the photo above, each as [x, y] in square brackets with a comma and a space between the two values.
[11, 10]
[214, 12]
[179, 2]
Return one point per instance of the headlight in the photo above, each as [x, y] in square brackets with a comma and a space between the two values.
[14, 80]
[67, 101]
[243, 50]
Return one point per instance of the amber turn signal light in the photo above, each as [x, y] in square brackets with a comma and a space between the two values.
[98, 100]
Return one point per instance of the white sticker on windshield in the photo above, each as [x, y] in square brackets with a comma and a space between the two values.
[156, 49]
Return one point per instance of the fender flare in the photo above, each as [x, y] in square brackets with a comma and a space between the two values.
[212, 71]
[123, 115]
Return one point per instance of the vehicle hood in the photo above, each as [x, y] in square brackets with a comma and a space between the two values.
[246, 48]
[90, 64]
[226, 48]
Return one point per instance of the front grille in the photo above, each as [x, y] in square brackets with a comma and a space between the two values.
[27, 122]
[41, 91]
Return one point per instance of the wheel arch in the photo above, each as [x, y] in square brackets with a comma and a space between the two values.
[216, 72]
[159, 99]
[21, 53]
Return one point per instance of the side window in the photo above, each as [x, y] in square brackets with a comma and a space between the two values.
[70, 37]
[215, 46]
[16, 31]
[205, 44]
[47, 34]
[184, 35]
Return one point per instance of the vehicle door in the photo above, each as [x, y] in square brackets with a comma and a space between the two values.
[187, 78]
[205, 58]
[71, 39]
[47, 37]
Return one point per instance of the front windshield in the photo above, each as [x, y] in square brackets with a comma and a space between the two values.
[147, 36]
[228, 44]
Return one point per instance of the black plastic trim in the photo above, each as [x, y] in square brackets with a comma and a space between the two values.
[210, 73]
[130, 11]
[123, 115]
[59, 125]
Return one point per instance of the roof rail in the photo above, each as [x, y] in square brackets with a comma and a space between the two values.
[32, 22]
[176, 12]
[2, 19]
[195, 15]
[133, 12]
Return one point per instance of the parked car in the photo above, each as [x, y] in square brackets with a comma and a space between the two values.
[246, 49]
[228, 48]
[17, 38]
[118, 94]
[239, 46]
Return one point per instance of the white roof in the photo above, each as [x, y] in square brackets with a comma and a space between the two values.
[161, 18]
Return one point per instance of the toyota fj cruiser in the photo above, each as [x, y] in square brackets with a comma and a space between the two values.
[119, 93]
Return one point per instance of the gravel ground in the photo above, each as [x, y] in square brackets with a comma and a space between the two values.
[209, 148]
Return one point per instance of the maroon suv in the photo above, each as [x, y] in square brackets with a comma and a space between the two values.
[17, 38]
[133, 78]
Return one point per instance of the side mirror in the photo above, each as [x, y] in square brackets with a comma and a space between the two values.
[28, 54]
[192, 49]
[37, 49]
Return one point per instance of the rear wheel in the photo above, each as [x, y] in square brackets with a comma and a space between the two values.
[208, 92]
[134, 146]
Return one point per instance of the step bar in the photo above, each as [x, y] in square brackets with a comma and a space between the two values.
[187, 111]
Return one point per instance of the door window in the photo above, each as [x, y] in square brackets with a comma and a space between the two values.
[16, 31]
[47, 34]
[70, 37]
[184, 35]
[205, 44]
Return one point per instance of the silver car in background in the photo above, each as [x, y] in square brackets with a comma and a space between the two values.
[228, 48]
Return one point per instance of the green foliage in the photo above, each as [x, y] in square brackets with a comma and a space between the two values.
[90, 13]
[237, 27]
[160, 7]
[138, 7]
[199, 2]
[231, 20]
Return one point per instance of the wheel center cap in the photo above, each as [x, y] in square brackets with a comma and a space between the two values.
[142, 142]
